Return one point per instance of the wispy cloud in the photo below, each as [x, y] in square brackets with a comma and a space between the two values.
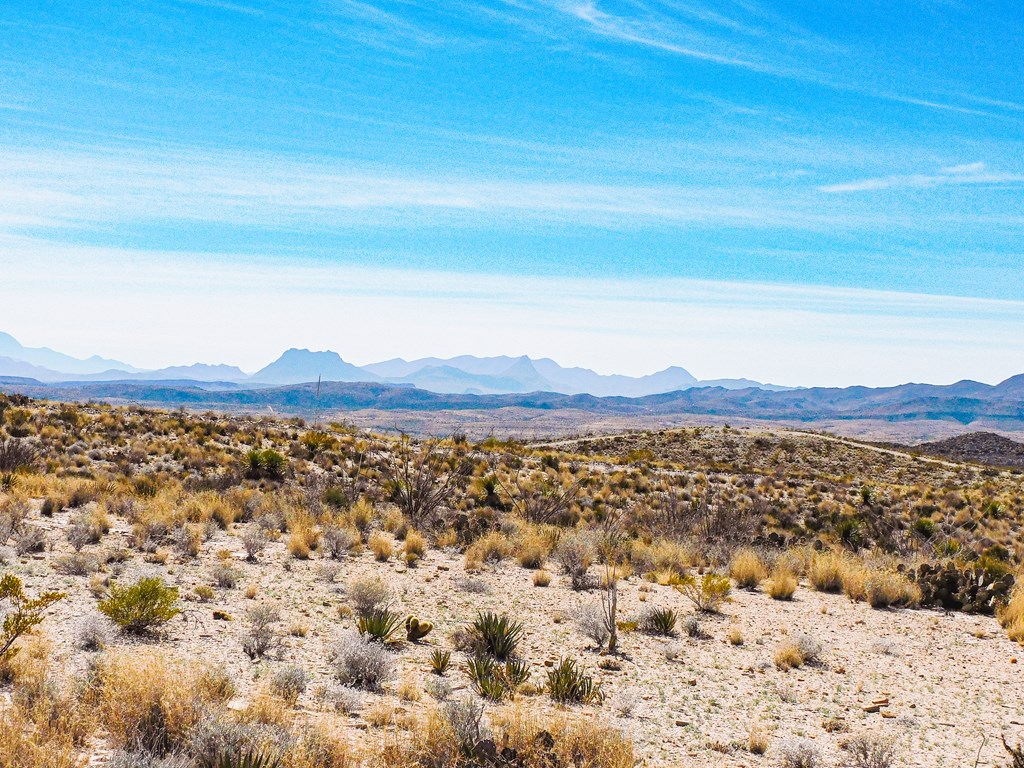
[966, 174]
[104, 186]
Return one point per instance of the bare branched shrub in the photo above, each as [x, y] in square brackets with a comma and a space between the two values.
[261, 638]
[369, 594]
[575, 554]
[870, 751]
[590, 621]
[359, 661]
[423, 479]
[799, 753]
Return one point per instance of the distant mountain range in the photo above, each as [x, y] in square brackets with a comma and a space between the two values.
[964, 403]
[458, 375]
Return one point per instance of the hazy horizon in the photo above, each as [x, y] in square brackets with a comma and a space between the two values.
[803, 195]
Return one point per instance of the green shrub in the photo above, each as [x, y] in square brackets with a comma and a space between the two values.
[568, 683]
[708, 594]
[254, 759]
[266, 464]
[145, 605]
[23, 614]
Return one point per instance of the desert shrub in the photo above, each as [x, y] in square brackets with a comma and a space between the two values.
[368, 594]
[884, 588]
[803, 649]
[17, 455]
[339, 541]
[568, 683]
[382, 546]
[659, 621]
[224, 575]
[22, 613]
[141, 607]
[379, 625]
[541, 578]
[360, 662]
[76, 564]
[590, 621]
[707, 594]
[800, 753]
[266, 464]
[491, 548]
[870, 751]
[289, 683]
[28, 744]
[494, 680]
[747, 568]
[261, 637]
[82, 531]
[827, 570]
[692, 627]
[782, 584]
[533, 550]
[575, 554]
[131, 759]
[94, 634]
[150, 703]
[498, 636]
[28, 539]
[255, 541]
[304, 538]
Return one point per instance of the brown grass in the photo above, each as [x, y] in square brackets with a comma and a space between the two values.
[747, 569]
[1012, 616]
[782, 585]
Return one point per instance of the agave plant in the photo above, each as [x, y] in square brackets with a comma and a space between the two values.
[497, 635]
[568, 683]
[660, 621]
[440, 661]
[380, 625]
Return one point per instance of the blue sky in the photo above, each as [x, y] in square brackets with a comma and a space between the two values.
[809, 193]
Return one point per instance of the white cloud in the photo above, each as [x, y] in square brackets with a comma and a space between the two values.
[970, 173]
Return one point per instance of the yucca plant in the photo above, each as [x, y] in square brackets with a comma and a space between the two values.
[253, 759]
[660, 621]
[568, 683]
[496, 681]
[484, 673]
[440, 661]
[380, 625]
[496, 635]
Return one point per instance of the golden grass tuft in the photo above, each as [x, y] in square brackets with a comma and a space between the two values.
[747, 569]
[782, 584]
[143, 698]
[827, 571]
[1012, 616]
[789, 656]
[541, 578]
[382, 545]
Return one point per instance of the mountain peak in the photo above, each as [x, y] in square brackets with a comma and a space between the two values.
[297, 366]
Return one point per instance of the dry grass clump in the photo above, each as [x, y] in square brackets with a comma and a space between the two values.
[149, 702]
[415, 547]
[782, 584]
[747, 569]
[1012, 616]
[382, 545]
[827, 571]
[541, 578]
[457, 736]
[880, 587]
[796, 652]
[533, 550]
[492, 548]
[23, 744]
